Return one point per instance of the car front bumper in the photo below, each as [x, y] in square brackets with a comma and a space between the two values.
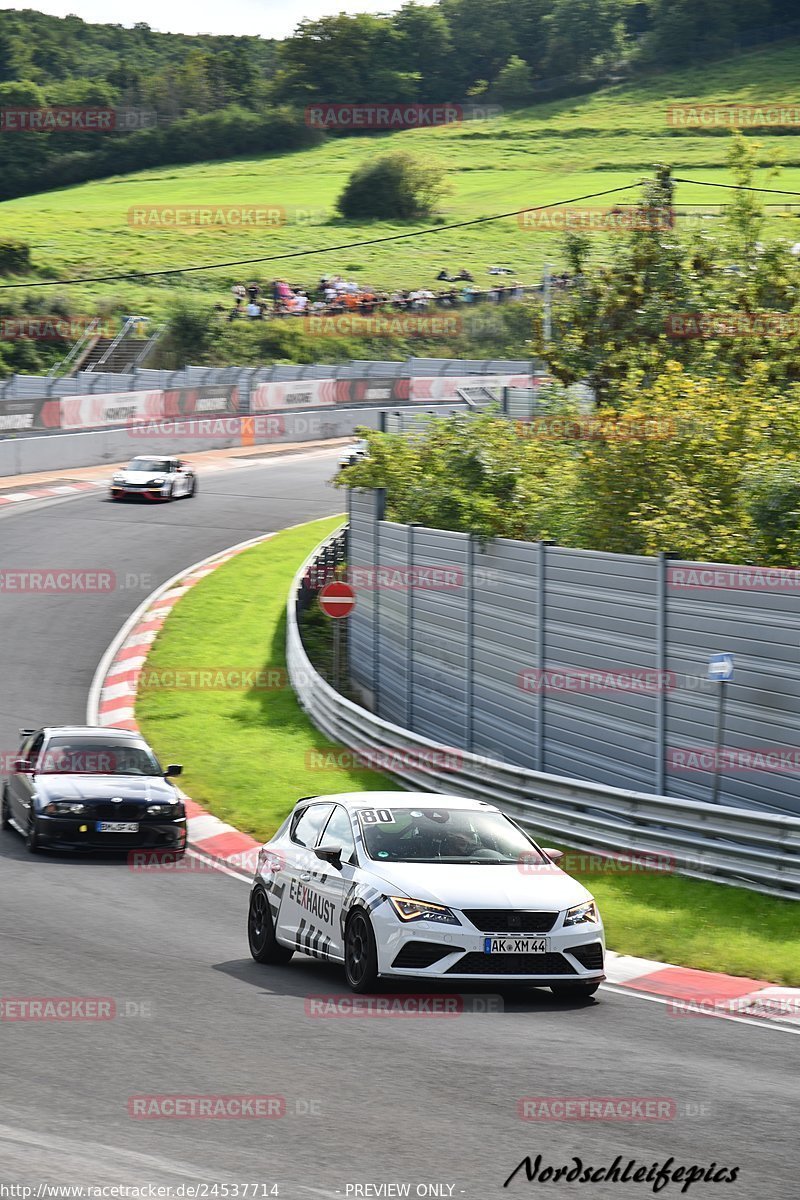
[574, 955]
[80, 833]
[135, 489]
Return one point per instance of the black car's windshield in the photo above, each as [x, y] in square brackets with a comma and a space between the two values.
[87, 756]
[157, 466]
[444, 835]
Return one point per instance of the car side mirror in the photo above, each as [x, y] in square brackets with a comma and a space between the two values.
[22, 766]
[554, 855]
[330, 854]
[172, 770]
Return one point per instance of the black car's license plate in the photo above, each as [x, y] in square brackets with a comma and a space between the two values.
[117, 826]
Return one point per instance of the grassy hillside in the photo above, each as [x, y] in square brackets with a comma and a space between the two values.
[558, 150]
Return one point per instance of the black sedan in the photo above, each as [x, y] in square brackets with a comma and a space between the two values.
[80, 787]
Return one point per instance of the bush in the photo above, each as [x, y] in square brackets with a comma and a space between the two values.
[15, 258]
[396, 186]
[772, 499]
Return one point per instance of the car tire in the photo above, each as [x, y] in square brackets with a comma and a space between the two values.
[360, 953]
[170, 494]
[264, 946]
[5, 811]
[574, 991]
[32, 840]
[193, 489]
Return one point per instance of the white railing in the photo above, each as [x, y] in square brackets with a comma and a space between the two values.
[746, 848]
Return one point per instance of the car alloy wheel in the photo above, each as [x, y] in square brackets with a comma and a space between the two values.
[264, 947]
[360, 953]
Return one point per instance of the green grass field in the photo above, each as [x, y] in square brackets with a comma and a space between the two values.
[554, 151]
[249, 756]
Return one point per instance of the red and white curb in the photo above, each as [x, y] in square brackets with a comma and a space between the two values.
[112, 699]
[53, 490]
[684, 991]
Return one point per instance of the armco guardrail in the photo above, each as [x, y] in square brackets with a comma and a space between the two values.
[749, 849]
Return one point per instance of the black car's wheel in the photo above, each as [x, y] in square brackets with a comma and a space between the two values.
[573, 991]
[264, 946]
[360, 954]
[32, 839]
[5, 811]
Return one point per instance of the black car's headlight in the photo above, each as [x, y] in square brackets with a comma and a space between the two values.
[582, 914]
[421, 910]
[161, 810]
[64, 808]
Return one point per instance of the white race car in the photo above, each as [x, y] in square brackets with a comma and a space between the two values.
[422, 886]
[155, 478]
[354, 454]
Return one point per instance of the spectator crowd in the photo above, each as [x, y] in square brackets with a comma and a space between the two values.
[334, 295]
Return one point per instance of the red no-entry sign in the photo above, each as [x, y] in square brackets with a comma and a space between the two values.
[337, 599]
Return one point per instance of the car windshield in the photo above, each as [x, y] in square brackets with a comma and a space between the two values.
[444, 835]
[158, 466]
[87, 756]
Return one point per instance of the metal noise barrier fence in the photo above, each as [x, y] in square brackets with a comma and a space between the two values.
[755, 850]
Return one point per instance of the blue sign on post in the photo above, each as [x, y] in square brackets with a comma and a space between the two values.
[720, 668]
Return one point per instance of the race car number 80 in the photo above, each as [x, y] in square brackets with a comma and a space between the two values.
[376, 816]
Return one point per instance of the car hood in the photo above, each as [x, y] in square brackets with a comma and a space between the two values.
[482, 886]
[143, 476]
[144, 788]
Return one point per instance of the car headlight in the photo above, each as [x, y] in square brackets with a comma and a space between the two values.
[64, 808]
[421, 910]
[118, 478]
[159, 810]
[582, 914]
[159, 481]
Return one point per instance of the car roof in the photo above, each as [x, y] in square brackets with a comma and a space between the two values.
[93, 730]
[353, 800]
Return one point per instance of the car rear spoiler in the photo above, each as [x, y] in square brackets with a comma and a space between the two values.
[26, 732]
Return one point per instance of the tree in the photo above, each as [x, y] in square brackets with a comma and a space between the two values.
[583, 35]
[514, 84]
[427, 49]
[393, 187]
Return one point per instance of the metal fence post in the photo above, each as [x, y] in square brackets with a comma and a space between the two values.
[661, 669]
[378, 512]
[541, 651]
[469, 648]
[410, 632]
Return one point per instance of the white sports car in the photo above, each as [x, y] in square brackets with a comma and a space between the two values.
[422, 886]
[155, 478]
[354, 454]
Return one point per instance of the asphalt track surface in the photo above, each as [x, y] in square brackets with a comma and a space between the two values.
[368, 1102]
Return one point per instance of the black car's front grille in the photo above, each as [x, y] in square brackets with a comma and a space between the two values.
[130, 810]
[589, 956]
[414, 956]
[512, 964]
[508, 920]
